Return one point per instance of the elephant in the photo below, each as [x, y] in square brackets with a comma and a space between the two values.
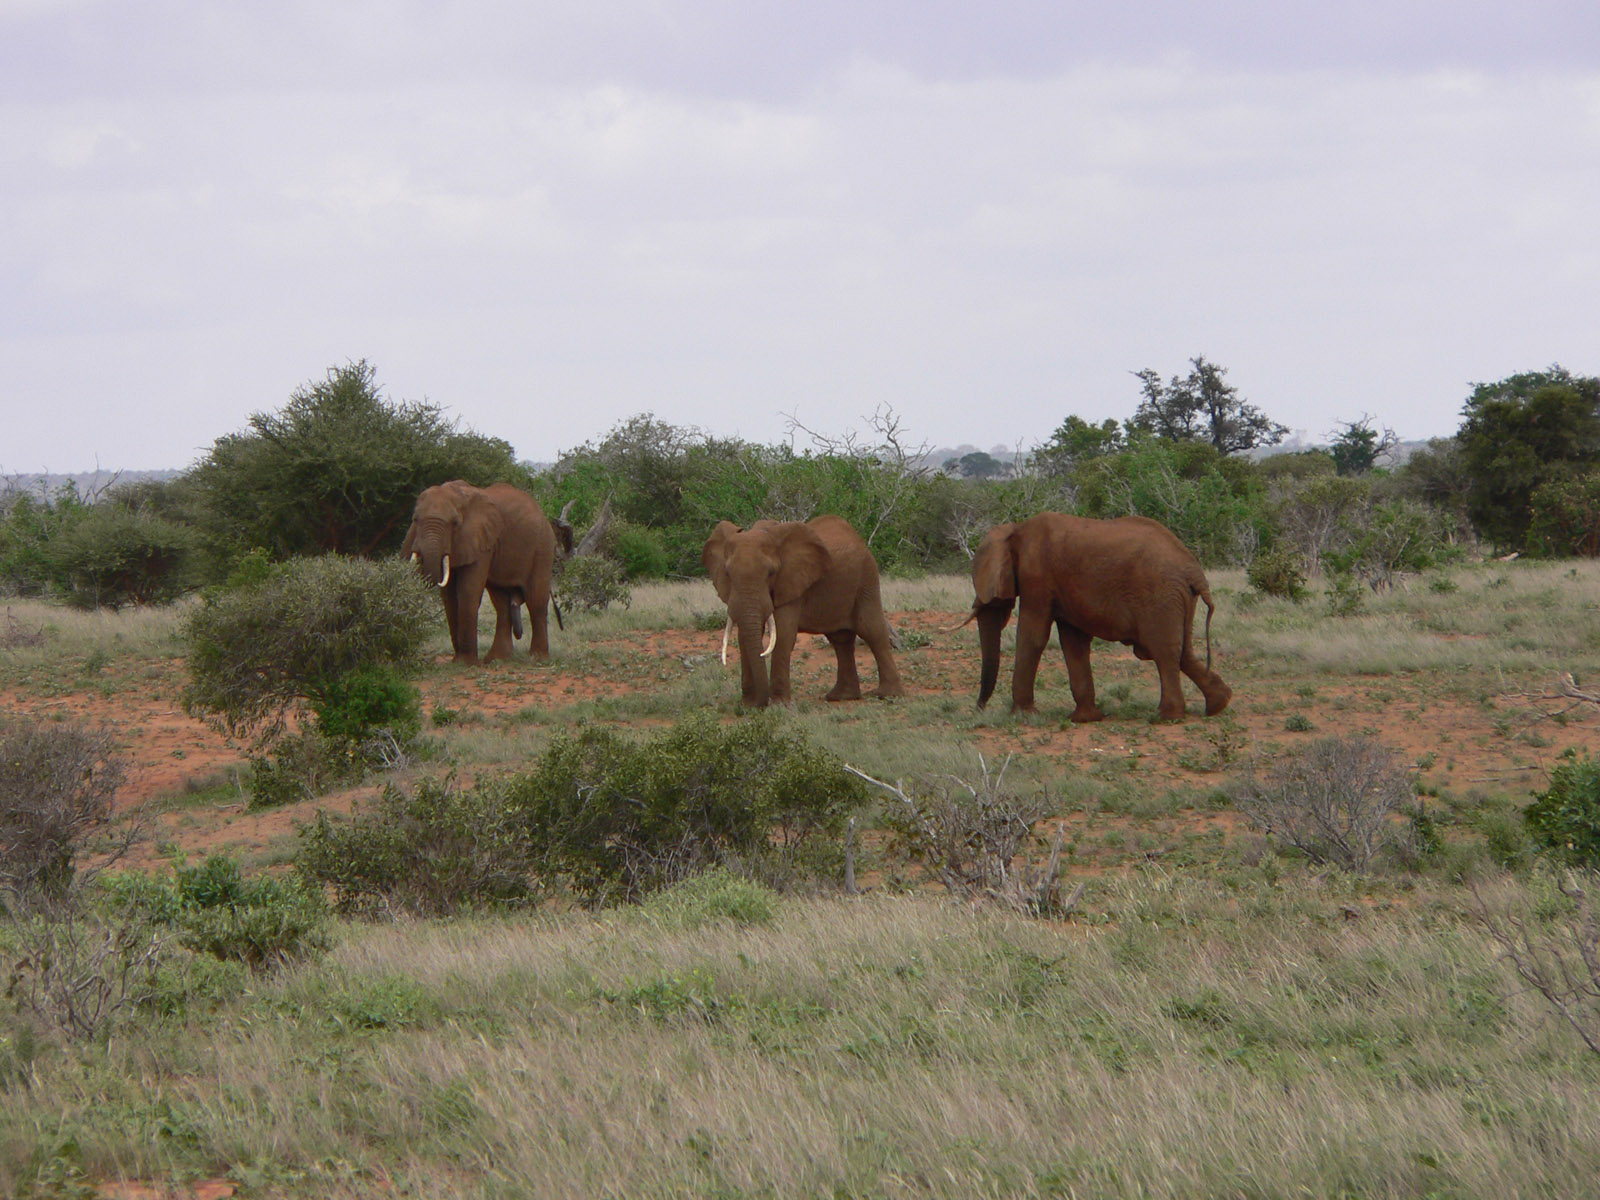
[1127, 580]
[467, 539]
[781, 579]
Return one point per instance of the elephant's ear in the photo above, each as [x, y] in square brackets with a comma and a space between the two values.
[411, 541]
[715, 557]
[994, 567]
[802, 560]
[479, 532]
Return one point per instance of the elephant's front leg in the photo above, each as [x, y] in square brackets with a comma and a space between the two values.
[848, 685]
[501, 646]
[468, 596]
[787, 628]
[1033, 634]
[447, 594]
[1075, 649]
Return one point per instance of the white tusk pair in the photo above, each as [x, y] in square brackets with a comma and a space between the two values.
[769, 638]
[446, 578]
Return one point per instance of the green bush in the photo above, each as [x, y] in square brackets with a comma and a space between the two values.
[259, 651]
[259, 922]
[592, 583]
[1564, 819]
[617, 819]
[301, 766]
[434, 850]
[110, 556]
[355, 706]
[640, 550]
[1278, 572]
[609, 819]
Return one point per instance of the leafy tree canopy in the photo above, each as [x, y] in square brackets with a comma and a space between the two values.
[1076, 441]
[338, 469]
[1357, 446]
[1519, 434]
[1203, 406]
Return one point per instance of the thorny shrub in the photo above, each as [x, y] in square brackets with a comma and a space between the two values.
[1548, 931]
[972, 834]
[1334, 801]
[57, 783]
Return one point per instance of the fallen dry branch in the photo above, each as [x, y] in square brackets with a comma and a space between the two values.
[1567, 693]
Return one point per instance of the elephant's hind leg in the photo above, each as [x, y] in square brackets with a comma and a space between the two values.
[848, 686]
[1216, 692]
[875, 633]
[1172, 707]
[501, 646]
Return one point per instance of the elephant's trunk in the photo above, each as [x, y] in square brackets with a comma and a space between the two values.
[432, 556]
[757, 688]
[992, 619]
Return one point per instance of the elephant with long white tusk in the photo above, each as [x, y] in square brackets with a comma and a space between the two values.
[783, 579]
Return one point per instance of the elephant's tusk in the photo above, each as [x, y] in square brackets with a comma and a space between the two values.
[446, 578]
[415, 557]
[769, 638]
[726, 630]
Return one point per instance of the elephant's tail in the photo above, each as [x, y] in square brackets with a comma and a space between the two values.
[1210, 608]
[559, 624]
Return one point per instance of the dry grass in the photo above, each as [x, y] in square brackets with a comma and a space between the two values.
[1202, 1041]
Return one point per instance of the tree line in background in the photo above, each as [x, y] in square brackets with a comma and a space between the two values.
[338, 469]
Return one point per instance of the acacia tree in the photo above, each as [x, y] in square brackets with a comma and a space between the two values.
[1519, 435]
[338, 469]
[1357, 446]
[1203, 406]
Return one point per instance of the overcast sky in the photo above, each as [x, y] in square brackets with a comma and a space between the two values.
[546, 217]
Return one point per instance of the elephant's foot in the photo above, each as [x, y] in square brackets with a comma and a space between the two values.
[893, 691]
[1086, 714]
[496, 654]
[839, 692]
[1217, 699]
[1168, 716]
[466, 658]
[1023, 706]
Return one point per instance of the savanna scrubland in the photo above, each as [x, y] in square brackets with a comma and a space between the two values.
[1077, 960]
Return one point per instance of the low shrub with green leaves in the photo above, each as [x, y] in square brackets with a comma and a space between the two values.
[1564, 819]
[259, 651]
[260, 921]
[432, 850]
[1278, 572]
[604, 817]
[592, 583]
[111, 556]
[355, 706]
[616, 819]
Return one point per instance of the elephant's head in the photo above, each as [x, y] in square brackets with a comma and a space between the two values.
[756, 572]
[994, 584]
[453, 525]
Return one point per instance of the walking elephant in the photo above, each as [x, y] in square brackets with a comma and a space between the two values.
[467, 540]
[1127, 580]
[783, 579]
